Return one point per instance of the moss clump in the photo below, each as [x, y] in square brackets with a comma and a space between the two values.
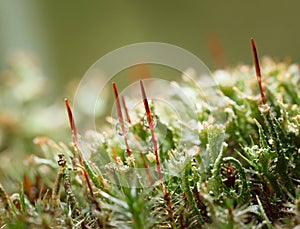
[243, 173]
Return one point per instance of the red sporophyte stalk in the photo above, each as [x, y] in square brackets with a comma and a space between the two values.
[142, 156]
[150, 123]
[120, 117]
[126, 111]
[257, 69]
[72, 125]
[75, 144]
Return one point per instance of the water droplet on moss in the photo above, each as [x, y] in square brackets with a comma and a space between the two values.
[119, 128]
[154, 121]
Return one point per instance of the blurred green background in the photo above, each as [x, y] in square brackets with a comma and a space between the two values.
[67, 37]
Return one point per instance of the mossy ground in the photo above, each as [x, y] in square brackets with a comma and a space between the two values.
[250, 177]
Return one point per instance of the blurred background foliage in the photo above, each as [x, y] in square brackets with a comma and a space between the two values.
[47, 46]
[67, 37]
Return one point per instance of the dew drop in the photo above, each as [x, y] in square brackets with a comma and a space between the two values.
[154, 121]
[119, 128]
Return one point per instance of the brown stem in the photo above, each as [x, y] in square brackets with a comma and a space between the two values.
[257, 69]
[126, 111]
[181, 220]
[60, 174]
[75, 144]
[266, 197]
[71, 199]
[72, 124]
[120, 117]
[150, 122]
[168, 201]
[201, 206]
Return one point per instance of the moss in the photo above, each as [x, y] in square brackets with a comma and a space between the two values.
[243, 172]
